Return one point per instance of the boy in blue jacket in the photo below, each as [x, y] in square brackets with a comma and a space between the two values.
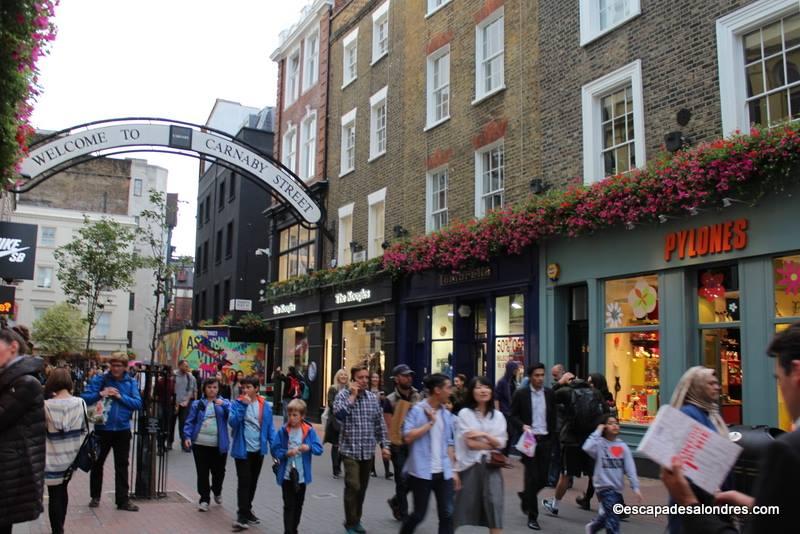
[206, 433]
[120, 396]
[251, 435]
[293, 446]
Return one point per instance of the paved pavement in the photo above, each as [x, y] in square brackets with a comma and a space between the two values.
[323, 510]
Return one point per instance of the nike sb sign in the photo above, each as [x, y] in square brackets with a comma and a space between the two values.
[17, 250]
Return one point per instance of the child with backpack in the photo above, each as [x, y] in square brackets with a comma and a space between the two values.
[613, 460]
[293, 446]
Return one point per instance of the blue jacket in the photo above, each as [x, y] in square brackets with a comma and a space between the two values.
[119, 417]
[238, 447]
[280, 444]
[197, 413]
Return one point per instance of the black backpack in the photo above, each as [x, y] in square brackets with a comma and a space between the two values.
[587, 410]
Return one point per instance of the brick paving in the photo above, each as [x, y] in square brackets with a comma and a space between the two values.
[323, 512]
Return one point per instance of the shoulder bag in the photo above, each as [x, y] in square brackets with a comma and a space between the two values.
[90, 448]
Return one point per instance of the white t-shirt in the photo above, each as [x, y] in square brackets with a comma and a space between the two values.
[437, 433]
[494, 424]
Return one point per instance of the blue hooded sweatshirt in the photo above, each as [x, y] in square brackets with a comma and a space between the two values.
[197, 414]
[119, 417]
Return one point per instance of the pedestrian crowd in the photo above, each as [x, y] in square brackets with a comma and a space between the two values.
[450, 441]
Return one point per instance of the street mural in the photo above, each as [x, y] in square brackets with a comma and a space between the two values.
[210, 351]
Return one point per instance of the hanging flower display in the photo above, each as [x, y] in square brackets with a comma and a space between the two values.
[613, 315]
[711, 286]
[642, 299]
[791, 277]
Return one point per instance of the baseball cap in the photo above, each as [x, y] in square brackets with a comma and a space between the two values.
[402, 369]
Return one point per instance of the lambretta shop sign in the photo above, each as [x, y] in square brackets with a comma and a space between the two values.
[17, 250]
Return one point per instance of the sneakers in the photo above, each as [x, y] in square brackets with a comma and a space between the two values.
[203, 507]
[94, 503]
[395, 506]
[582, 502]
[241, 524]
[360, 529]
[548, 505]
[218, 499]
[389, 476]
[128, 506]
[252, 519]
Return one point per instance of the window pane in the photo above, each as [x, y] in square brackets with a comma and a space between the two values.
[721, 352]
[295, 349]
[755, 79]
[772, 39]
[791, 31]
[509, 315]
[632, 302]
[778, 107]
[752, 46]
[506, 349]
[718, 291]
[786, 272]
[634, 357]
[775, 74]
[758, 111]
[442, 322]
[793, 66]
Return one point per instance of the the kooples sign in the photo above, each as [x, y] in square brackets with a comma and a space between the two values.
[353, 296]
[284, 309]
[17, 250]
[712, 239]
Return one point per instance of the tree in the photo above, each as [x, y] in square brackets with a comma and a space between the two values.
[98, 261]
[154, 234]
[59, 330]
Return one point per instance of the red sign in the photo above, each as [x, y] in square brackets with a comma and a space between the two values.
[713, 239]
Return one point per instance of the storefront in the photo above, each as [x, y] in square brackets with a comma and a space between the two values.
[643, 305]
[471, 322]
[335, 328]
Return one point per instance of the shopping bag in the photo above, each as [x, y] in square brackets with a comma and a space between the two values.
[527, 444]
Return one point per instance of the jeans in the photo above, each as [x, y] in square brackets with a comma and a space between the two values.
[120, 441]
[606, 519]
[208, 460]
[247, 473]
[536, 470]
[421, 490]
[356, 480]
[292, 506]
[399, 455]
[57, 507]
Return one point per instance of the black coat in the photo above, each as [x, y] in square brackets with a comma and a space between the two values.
[22, 444]
[521, 414]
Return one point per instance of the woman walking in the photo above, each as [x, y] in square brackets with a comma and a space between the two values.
[67, 424]
[22, 430]
[236, 385]
[206, 431]
[480, 429]
[333, 425]
[375, 387]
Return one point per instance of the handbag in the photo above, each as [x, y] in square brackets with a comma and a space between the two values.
[498, 460]
[89, 451]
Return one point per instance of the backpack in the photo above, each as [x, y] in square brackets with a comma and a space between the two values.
[587, 409]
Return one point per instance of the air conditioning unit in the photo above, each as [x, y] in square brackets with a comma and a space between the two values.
[360, 256]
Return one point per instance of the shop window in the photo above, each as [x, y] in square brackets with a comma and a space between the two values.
[786, 271]
[297, 252]
[632, 346]
[480, 344]
[442, 339]
[509, 329]
[295, 349]
[327, 357]
[362, 342]
[784, 419]
[718, 295]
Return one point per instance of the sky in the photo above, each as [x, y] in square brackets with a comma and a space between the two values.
[161, 58]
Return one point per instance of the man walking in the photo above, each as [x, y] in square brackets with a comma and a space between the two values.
[251, 435]
[557, 371]
[119, 394]
[397, 405]
[185, 393]
[533, 410]
[363, 428]
[428, 432]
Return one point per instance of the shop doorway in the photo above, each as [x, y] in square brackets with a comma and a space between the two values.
[578, 331]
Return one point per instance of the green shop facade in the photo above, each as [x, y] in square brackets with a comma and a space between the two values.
[642, 305]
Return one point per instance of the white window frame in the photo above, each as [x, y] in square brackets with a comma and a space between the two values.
[348, 121]
[376, 236]
[480, 76]
[730, 54]
[429, 214]
[310, 61]
[292, 84]
[377, 101]
[40, 280]
[308, 146]
[591, 94]
[431, 120]
[289, 148]
[479, 192]
[138, 185]
[97, 332]
[590, 19]
[350, 42]
[344, 255]
[432, 6]
[50, 242]
[379, 17]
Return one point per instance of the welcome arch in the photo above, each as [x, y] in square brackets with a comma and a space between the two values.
[69, 147]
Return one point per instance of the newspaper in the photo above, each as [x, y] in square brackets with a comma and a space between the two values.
[707, 456]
